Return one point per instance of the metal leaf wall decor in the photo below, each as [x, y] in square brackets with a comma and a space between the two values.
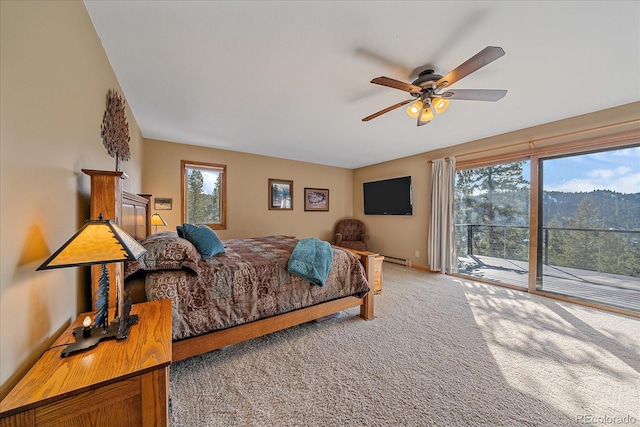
[115, 129]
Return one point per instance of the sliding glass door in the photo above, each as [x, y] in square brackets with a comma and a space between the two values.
[589, 236]
[578, 214]
[491, 214]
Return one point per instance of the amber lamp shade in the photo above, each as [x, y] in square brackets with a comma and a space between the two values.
[98, 242]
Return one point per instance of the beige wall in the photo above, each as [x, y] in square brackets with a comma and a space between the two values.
[402, 236]
[54, 80]
[54, 76]
[247, 188]
[393, 235]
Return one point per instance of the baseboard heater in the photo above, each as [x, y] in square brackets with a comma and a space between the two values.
[396, 260]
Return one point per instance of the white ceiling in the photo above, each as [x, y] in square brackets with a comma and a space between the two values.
[290, 79]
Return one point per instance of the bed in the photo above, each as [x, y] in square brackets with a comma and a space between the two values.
[244, 292]
[259, 263]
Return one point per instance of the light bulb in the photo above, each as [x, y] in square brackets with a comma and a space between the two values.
[427, 114]
[86, 322]
[414, 109]
[440, 105]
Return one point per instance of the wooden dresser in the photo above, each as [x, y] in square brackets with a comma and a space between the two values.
[117, 383]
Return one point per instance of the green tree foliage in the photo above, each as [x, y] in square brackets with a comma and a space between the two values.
[490, 198]
[215, 200]
[487, 194]
[581, 247]
[589, 230]
[617, 210]
[590, 245]
[202, 208]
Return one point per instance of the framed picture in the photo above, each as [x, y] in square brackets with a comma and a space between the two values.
[280, 194]
[316, 199]
[163, 204]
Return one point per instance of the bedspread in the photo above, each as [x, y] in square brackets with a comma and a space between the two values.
[249, 281]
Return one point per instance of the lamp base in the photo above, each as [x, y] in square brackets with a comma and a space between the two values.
[87, 338]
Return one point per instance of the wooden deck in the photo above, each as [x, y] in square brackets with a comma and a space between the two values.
[603, 288]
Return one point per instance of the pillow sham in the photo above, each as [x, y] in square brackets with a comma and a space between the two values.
[165, 251]
[204, 239]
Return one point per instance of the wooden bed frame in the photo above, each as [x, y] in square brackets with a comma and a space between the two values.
[131, 212]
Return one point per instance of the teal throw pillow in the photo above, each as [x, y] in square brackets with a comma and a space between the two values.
[204, 239]
[180, 231]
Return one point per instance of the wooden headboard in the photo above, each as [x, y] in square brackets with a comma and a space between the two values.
[129, 211]
[136, 215]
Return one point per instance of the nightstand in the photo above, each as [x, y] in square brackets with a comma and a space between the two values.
[121, 383]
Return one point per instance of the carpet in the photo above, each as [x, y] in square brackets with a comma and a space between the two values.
[442, 351]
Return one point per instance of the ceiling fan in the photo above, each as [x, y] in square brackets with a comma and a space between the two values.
[428, 90]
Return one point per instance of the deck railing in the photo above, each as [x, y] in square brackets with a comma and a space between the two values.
[594, 249]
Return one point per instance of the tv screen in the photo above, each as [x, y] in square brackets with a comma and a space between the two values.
[388, 197]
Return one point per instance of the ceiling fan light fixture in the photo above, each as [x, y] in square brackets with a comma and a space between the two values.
[440, 105]
[414, 109]
[426, 114]
[428, 89]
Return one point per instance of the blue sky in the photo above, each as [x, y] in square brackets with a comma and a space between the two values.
[209, 181]
[617, 170]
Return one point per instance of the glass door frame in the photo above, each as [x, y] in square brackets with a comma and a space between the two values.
[535, 152]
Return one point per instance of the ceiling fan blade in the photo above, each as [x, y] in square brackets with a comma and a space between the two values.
[395, 67]
[422, 123]
[386, 110]
[474, 94]
[396, 84]
[479, 60]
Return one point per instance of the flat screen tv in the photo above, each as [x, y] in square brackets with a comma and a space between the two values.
[388, 197]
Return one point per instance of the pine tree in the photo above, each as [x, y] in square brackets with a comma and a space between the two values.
[215, 201]
[494, 196]
[582, 249]
[195, 189]
[203, 208]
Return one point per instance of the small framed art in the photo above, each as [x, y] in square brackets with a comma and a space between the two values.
[163, 204]
[280, 194]
[316, 199]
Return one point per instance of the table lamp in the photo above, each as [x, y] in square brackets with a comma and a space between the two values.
[157, 220]
[98, 242]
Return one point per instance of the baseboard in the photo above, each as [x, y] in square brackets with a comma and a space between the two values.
[397, 260]
[424, 268]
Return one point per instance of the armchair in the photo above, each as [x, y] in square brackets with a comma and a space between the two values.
[352, 233]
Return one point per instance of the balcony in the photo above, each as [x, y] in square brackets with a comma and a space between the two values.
[500, 253]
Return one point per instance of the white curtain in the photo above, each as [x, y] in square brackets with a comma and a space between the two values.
[442, 243]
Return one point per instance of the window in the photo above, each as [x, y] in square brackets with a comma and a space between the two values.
[204, 194]
[562, 221]
[590, 227]
[491, 214]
